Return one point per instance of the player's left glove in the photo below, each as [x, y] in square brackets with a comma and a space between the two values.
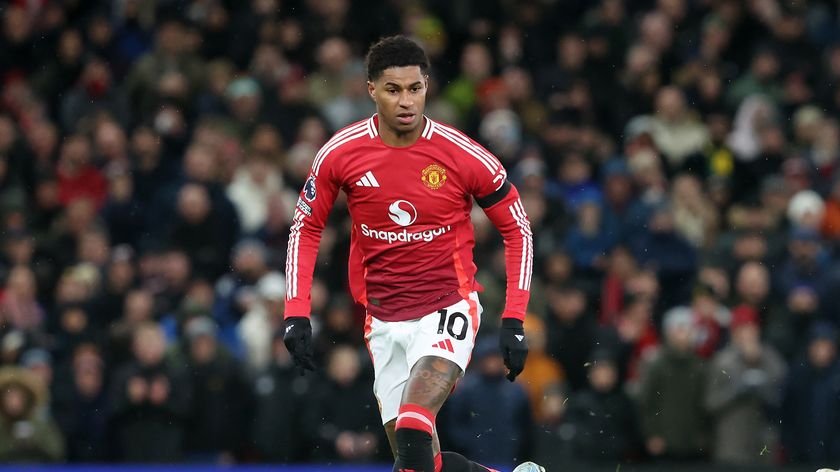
[514, 346]
[298, 340]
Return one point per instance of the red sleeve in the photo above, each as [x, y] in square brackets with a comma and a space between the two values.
[313, 206]
[508, 215]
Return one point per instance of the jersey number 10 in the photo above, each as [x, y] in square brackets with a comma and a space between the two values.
[450, 325]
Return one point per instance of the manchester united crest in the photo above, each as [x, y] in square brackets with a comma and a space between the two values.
[433, 176]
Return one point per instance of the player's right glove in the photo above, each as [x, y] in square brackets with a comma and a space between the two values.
[514, 346]
[298, 340]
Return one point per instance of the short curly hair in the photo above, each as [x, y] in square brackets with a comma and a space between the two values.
[394, 51]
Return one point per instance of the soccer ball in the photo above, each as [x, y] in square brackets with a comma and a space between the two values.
[531, 467]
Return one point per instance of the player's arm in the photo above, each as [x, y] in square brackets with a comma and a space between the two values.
[311, 212]
[486, 180]
[504, 208]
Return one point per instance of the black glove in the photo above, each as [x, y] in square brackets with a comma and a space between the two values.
[513, 345]
[298, 340]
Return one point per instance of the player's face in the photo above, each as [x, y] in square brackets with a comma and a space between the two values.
[400, 96]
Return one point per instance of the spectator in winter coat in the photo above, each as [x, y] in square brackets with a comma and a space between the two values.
[811, 402]
[27, 432]
[150, 401]
[672, 414]
[743, 388]
[602, 415]
[343, 419]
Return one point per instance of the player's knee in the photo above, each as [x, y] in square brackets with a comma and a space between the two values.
[414, 429]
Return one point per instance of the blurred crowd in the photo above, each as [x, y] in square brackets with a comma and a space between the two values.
[678, 160]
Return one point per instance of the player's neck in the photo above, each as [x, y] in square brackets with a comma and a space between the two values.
[394, 138]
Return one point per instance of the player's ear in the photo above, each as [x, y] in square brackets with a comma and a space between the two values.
[372, 90]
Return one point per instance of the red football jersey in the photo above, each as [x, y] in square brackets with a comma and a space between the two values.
[412, 237]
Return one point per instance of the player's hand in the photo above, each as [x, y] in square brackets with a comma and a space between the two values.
[514, 346]
[298, 340]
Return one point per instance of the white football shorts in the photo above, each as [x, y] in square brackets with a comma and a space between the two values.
[395, 346]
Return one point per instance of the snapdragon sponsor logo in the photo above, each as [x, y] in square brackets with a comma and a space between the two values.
[404, 236]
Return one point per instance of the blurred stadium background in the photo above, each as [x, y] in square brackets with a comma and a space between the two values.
[678, 160]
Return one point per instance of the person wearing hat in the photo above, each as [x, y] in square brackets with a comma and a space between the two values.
[671, 412]
[27, 432]
[810, 410]
[744, 382]
[261, 319]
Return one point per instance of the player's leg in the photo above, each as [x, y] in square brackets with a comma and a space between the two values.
[429, 383]
[392, 438]
[390, 431]
[438, 354]
[387, 353]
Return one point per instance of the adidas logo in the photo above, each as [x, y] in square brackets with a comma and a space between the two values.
[446, 345]
[367, 180]
[519, 337]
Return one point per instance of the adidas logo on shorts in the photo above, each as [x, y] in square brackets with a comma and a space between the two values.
[445, 345]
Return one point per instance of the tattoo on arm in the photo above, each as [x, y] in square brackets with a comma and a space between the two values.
[430, 382]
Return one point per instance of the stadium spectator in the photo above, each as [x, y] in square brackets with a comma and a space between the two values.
[671, 410]
[571, 332]
[220, 400]
[342, 418]
[810, 401]
[80, 396]
[280, 397]
[27, 431]
[149, 403]
[742, 393]
[602, 416]
[542, 373]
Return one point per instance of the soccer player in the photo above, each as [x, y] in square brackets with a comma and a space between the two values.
[410, 182]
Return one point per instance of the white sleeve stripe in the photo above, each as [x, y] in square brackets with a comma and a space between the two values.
[454, 132]
[338, 136]
[292, 256]
[469, 150]
[335, 145]
[530, 269]
[370, 128]
[485, 157]
[335, 138]
[427, 128]
[373, 127]
[296, 254]
[524, 220]
[523, 261]
[527, 244]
